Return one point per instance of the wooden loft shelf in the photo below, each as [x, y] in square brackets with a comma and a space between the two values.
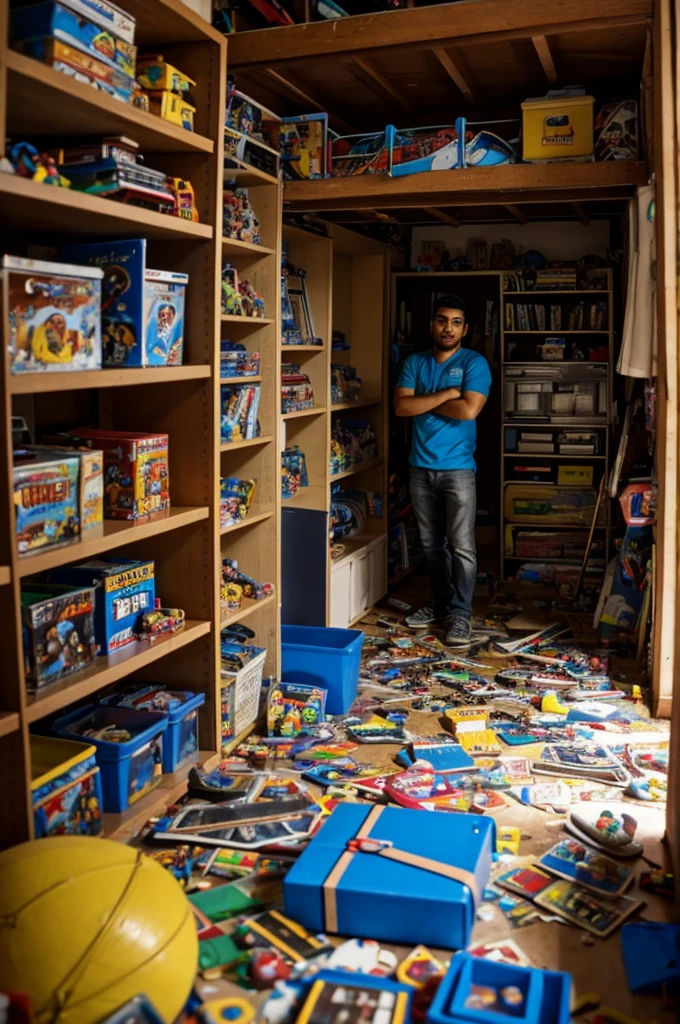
[249, 176]
[487, 186]
[110, 669]
[85, 380]
[231, 446]
[253, 321]
[237, 248]
[47, 101]
[248, 606]
[260, 517]
[115, 533]
[31, 205]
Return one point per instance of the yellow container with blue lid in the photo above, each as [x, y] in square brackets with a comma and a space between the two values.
[66, 788]
[558, 128]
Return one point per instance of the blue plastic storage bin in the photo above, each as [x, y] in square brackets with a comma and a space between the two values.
[128, 770]
[180, 743]
[545, 995]
[325, 657]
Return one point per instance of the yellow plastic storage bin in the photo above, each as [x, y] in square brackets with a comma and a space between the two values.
[558, 129]
[65, 788]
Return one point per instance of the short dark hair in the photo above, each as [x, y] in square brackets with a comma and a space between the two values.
[449, 302]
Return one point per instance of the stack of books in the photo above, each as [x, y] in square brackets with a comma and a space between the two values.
[558, 278]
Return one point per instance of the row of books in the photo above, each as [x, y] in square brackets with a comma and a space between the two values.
[535, 544]
[576, 316]
[239, 411]
[558, 278]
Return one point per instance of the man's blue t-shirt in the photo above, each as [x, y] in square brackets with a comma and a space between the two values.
[440, 442]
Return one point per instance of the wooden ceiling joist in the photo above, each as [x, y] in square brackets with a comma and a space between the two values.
[457, 72]
[443, 26]
[302, 92]
[378, 84]
[542, 48]
[580, 212]
[441, 215]
[515, 212]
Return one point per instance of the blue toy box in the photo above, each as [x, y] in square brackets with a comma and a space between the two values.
[325, 657]
[54, 20]
[125, 590]
[142, 309]
[66, 788]
[129, 768]
[180, 744]
[423, 887]
[524, 995]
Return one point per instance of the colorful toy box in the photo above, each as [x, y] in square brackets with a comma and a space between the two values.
[58, 631]
[292, 708]
[52, 311]
[129, 747]
[90, 494]
[180, 743]
[393, 874]
[136, 474]
[45, 500]
[476, 990]
[557, 127]
[172, 108]
[102, 13]
[155, 73]
[617, 132]
[551, 505]
[125, 590]
[142, 309]
[80, 65]
[303, 145]
[66, 788]
[55, 20]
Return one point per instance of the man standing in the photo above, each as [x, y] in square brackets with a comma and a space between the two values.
[444, 390]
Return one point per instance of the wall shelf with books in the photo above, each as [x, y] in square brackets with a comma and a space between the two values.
[555, 444]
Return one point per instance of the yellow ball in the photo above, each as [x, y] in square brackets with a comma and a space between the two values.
[86, 924]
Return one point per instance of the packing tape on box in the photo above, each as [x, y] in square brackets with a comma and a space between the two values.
[436, 867]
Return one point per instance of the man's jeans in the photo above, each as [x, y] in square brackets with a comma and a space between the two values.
[445, 503]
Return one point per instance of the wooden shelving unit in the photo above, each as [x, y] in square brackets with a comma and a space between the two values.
[347, 277]
[187, 544]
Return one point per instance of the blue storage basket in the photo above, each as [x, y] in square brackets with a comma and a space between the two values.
[180, 744]
[128, 770]
[325, 657]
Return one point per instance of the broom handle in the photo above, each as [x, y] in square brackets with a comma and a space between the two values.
[586, 555]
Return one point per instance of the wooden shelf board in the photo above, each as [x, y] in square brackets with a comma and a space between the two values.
[168, 21]
[535, 455]
[235, 445]
[236, 246]
[553, 561]
[555, 291]
[109, 669]
[256, 321]
[361, 403]
[248, 606]
[555, 527]
[307, 497]
[557, 331]
[84, 380]
[9, 722]
[472, 186]
[171, 788]
[552, 362]
[318, 410]
[44, 101]
[570, 422]
[249, 176]
[237, 740]
[115, 533]
[240, 380]
[361, 467]
[352, 547]
[248, 521]
[302, 348]
[32, 206]
[5, 575]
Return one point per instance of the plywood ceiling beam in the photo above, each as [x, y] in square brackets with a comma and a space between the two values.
[303, 92]
[542, 48]
[580, 211]
[457, 72]
[440, 215]
[515, 212]
[443, 26]
[378, 84]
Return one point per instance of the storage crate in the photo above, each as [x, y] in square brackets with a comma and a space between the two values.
[557, 129]
[180, 744]
[325, 657]
[66, 788]
[241, 695]
[129, 769]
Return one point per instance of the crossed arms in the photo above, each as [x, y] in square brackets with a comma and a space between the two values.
[449, 402]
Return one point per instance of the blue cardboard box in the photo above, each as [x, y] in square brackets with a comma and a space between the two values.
[125, 589]
[55, 20]
[524, 995]
[376, 895]
[142, 309]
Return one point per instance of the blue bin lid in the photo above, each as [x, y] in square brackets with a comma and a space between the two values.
[144, 726]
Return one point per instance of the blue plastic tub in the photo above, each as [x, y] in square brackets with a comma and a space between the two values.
[324, 657]
[180, 743]
[128, 770]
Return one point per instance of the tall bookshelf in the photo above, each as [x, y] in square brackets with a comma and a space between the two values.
[187, 544]
[587, 360]
[347, 277]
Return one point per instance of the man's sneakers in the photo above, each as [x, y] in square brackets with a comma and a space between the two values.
[424, 617]
[457, 631]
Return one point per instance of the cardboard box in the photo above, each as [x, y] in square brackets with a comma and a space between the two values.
[46, 499]
[557, 128]
[52, 315]
[56, 20]
[90, 483]
[58, 631]
[73, 62]
[379, 897]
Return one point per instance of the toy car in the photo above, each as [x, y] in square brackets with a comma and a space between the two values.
[162, 620]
